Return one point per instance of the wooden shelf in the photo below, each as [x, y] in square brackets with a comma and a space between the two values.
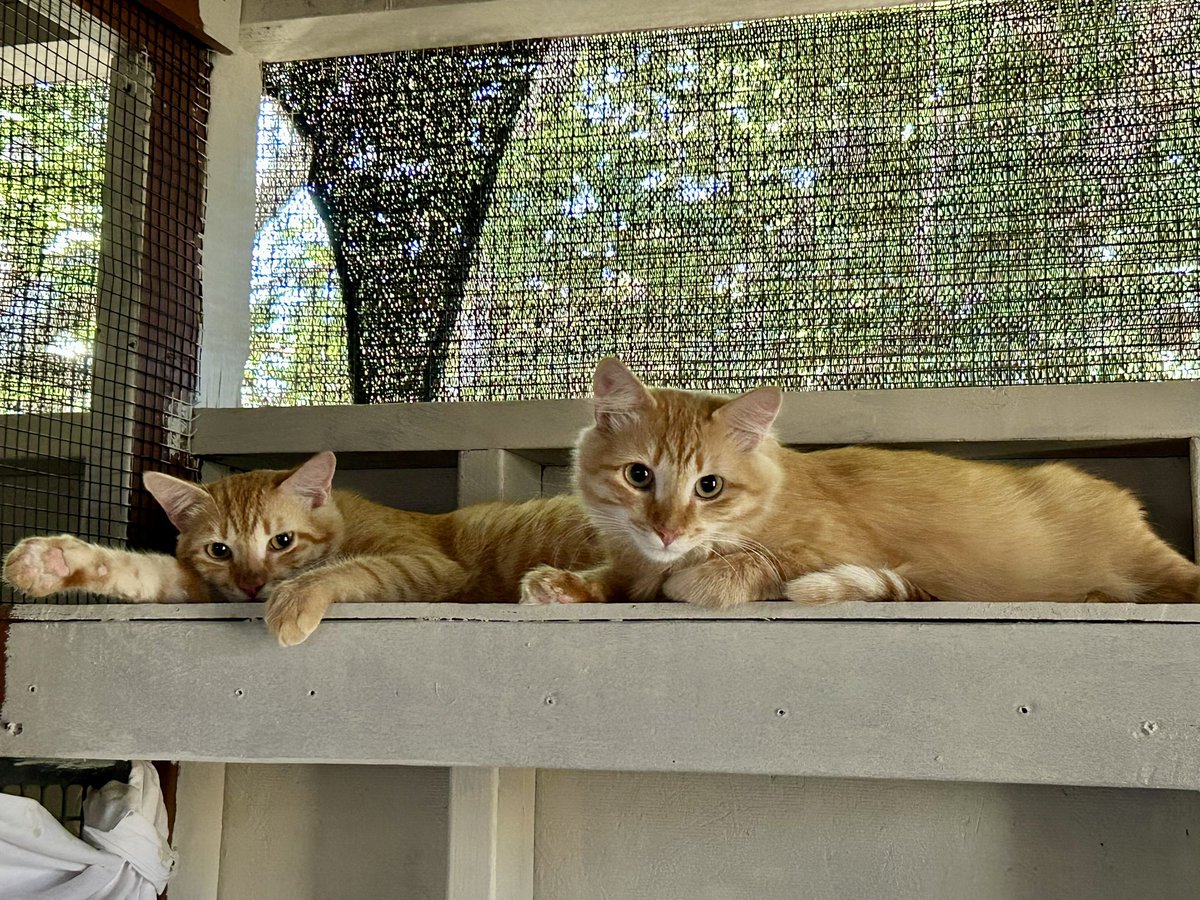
[1099, 694]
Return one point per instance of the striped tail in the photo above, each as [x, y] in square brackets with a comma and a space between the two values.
[851, 582]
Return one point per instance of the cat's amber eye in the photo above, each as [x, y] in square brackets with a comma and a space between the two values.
[217, 550]
[639, 475]
[282, 541]
[709, 486]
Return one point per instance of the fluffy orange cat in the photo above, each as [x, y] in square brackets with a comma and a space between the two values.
[694, 499]
[288, 538]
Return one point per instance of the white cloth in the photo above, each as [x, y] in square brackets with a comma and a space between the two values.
[125, 857]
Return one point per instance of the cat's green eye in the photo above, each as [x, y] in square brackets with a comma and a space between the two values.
[639, 475]
[709, 486]
[217, 550]
[282, 541]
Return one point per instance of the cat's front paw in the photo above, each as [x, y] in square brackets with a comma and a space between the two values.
[546, 584]
[42, 566]
[703, 586]
[295, 609]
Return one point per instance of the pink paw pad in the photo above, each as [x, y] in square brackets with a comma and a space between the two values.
[56, 562]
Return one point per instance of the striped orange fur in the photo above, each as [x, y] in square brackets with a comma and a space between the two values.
[847, 524]
[340, 547]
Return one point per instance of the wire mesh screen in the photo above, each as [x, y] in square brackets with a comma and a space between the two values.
[102, 112]
[963, 194]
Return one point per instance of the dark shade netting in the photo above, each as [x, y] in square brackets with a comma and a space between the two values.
[971, 194]
[102, 130]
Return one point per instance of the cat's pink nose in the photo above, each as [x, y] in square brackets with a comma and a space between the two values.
[251, 590]
[668, 535]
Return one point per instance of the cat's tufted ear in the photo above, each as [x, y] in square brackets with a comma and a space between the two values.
[618, 395]
[179, 499]
[750, 416]
[313, 479]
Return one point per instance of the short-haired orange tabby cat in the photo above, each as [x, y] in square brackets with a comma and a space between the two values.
[288, 538]
[693, 498]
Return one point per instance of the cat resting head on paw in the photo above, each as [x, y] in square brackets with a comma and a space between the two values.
[667, 472]
[246, 533]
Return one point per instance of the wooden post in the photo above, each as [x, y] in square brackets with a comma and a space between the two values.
[486, 475]
[108, 477]
[199, 810]
[229, 216]
[491, 809]
[491, 834]
[1194, 455]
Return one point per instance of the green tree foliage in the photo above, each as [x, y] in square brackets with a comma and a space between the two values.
[298, 351]
[52, 139]
[946, 195]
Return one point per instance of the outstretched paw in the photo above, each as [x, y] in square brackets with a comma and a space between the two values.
[546, 584]
[294, 611]
[42, 566]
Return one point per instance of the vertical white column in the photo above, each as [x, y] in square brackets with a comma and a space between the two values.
[229, 226]
[491, 810]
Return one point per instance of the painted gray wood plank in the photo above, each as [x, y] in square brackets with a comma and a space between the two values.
[1059, 413]
[626, 612]
[1085, 703]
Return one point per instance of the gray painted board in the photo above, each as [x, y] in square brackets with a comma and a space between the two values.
[1057, 413]
[1083, 703]
[626, 612]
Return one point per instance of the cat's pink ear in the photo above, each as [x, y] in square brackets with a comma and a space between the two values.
[313, 480]
[750, 416]
[179, 499]
[618, 395]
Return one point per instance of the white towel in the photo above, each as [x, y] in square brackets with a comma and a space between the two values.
[124, 854]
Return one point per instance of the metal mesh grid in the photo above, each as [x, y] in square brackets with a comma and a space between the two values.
[962, 194]
[58, 786]
[102, 112]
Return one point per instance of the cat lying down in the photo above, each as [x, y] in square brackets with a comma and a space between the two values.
[692, 498]
[683, 494]
[288, 538]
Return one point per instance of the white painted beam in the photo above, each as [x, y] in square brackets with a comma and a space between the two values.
[299, 29]
[491, 834]
[1089, 703]
[199, 813]
[229, 226]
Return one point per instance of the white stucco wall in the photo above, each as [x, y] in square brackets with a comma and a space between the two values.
[605, 836]
[315, 832]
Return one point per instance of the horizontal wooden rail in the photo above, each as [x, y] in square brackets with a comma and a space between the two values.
[917, 692]
[621, 612]
[1052, 415]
